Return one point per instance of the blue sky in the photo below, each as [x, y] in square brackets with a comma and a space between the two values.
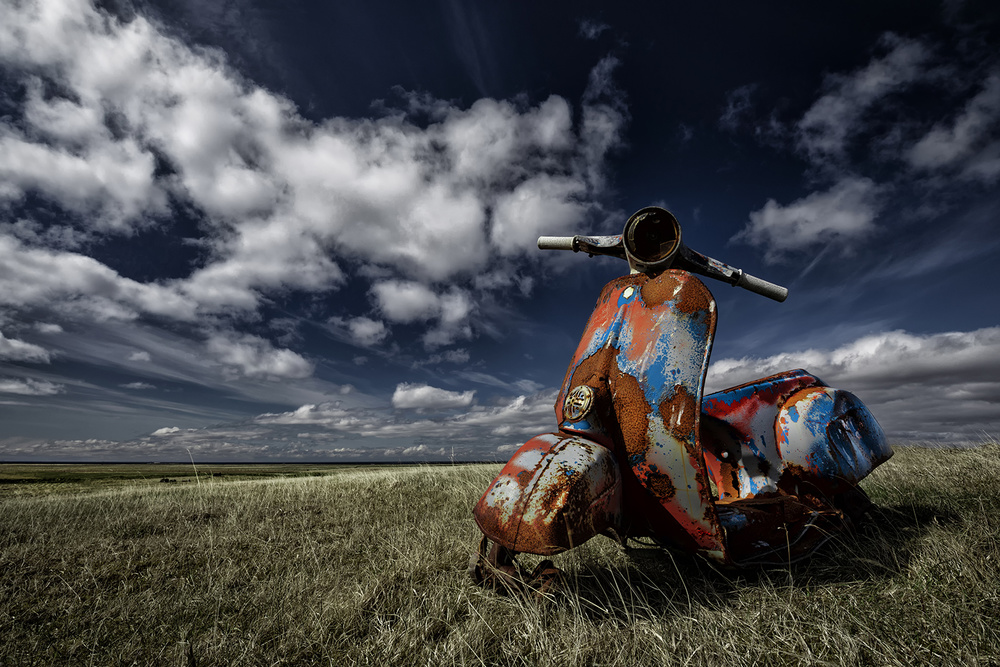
[244, 233]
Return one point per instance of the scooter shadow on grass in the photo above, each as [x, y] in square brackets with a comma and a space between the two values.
[656, 581]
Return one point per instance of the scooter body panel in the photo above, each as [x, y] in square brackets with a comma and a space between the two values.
[789, 428]
[829, 436]
[749, 412]
[636, 382]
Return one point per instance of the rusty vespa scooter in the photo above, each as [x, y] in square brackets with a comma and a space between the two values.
[761, 473]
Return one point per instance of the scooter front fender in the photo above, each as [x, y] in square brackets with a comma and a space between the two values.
[555, 493]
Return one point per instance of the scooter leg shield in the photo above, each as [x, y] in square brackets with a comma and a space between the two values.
[829, 435]
[555, 493]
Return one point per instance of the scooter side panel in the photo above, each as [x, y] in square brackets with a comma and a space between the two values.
[829, 437]
[555, 493]
[790, 427]
[750, 411]
[803, 447]
[643, 355]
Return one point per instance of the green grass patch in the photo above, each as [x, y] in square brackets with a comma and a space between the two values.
[366, 565]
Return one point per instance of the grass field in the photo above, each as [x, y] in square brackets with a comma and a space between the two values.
[34, 479]
[344, 566]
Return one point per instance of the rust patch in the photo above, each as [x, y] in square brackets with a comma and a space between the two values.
[621, 282]
[680, 412]
[661, 486]
[564, 510]
[809, 487]
[680, 416]
[658, 289]
[694, 298]
[593, 371]
[777, 529]
[612, 289]
[633, 412]
[604, 314]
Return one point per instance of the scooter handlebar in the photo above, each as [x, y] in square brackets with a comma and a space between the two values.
[686, 259]
[695, 262]
[762, 287]
[556, 242]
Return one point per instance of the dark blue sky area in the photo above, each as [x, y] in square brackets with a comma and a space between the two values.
[256, 232]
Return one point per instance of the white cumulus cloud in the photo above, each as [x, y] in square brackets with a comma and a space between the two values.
[253, 356]
[544, 204]
[406, 301]
[12, 349]
[427, 397]
[363, 331]
[285, 201]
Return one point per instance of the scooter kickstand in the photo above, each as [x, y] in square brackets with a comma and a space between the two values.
[494, 566]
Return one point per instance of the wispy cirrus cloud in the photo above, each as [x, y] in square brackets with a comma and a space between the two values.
[591, 29]
[450, 417]
[854, 129]
[968, 143]
[932, 387]
[138, 385]
[826, 129]
[29, 387]
[839, 216]
[737, 108]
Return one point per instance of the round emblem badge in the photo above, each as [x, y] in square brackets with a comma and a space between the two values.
[578, 403]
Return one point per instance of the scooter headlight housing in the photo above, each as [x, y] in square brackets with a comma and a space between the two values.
[652, 238]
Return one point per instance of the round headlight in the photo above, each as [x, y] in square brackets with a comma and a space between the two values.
[652, 236]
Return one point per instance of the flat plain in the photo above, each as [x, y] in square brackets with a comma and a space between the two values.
[344, 565]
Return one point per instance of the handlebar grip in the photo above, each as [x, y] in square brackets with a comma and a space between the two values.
[762, 287]
[556, 242]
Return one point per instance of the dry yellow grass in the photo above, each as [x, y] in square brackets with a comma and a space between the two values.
[368, 567]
